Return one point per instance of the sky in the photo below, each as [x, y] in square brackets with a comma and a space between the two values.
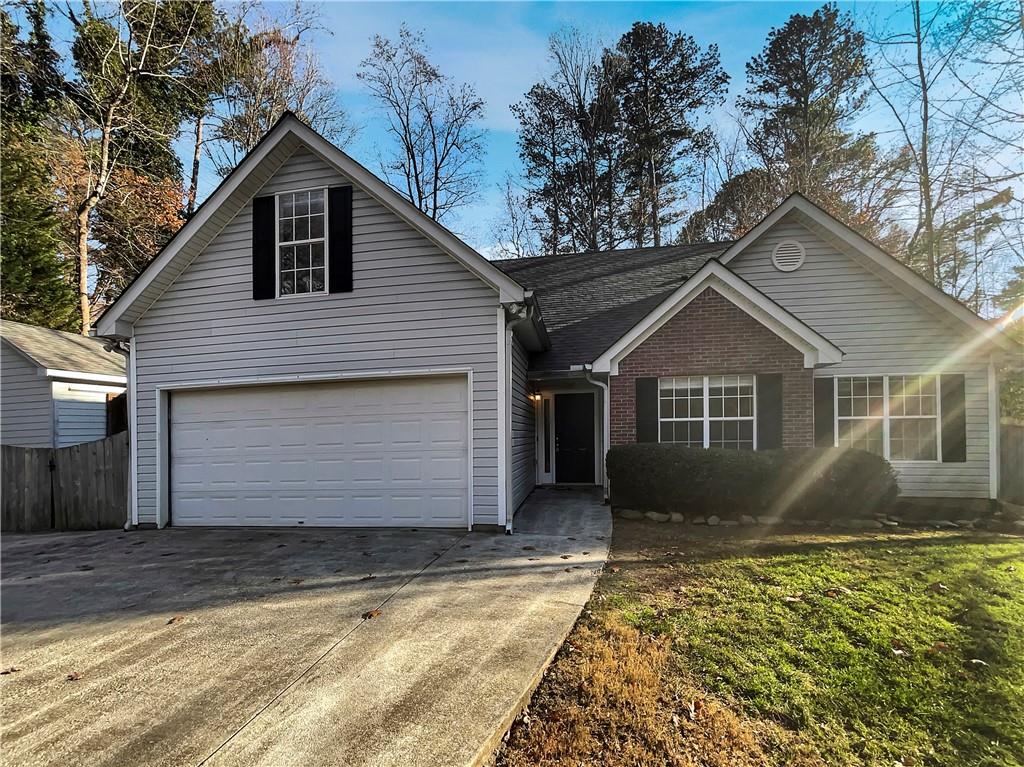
[501, 49]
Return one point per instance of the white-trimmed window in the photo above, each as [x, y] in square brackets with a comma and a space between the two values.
[301, 244]
[708, 411]
[895, 416]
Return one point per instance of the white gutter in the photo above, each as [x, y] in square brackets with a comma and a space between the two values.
[78, 376]
[606, 426]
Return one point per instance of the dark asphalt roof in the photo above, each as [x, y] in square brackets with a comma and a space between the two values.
[57, 350]
[589, 300]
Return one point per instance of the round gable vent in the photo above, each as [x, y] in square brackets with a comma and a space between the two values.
[788, 256]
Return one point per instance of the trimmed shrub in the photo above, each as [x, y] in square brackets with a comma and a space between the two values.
[822, 483]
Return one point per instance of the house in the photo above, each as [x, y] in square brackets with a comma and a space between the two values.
[56, 389]
[310, 349]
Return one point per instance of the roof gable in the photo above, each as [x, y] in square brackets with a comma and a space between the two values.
[251, 174]
[900, 275]
[817, 349]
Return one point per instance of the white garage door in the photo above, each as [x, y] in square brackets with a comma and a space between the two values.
[388, 452]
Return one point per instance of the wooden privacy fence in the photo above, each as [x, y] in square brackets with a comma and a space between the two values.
[82, 487]
[1011, 469]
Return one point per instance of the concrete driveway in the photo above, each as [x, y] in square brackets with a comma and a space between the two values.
[250, 647]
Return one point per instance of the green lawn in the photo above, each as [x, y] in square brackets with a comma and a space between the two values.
[836, 649]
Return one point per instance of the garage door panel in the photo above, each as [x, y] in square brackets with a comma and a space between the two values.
[360, 454]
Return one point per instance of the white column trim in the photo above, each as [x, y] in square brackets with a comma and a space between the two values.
[993, 431]
[133, 435]
[503, 351]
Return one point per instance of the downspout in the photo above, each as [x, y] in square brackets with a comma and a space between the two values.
[605, 426]
[517, 314]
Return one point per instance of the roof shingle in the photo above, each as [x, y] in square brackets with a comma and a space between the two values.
[57, 350]
[589, 300]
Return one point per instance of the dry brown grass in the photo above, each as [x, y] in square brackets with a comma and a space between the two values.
[615, 697]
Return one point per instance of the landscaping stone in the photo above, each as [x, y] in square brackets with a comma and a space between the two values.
[946, 524]
[746, 519]
[766, 520]
[714, 520]
[657, 516]
[698, 521]
[966, 522]
[890, 523]
[677, 517]
[631, 514]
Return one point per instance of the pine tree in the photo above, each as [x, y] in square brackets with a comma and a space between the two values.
[664, 80]
[37, 285]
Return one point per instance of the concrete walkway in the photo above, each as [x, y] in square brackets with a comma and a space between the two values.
[248, 647]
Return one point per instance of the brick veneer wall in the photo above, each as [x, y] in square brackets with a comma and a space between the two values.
[712, 336]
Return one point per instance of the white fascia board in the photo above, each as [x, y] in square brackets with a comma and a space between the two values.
[890, 265]
[109, 324]
[508, 289]
[76, 375]
[817, 349]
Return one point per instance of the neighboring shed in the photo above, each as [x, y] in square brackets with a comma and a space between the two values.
[57, 389]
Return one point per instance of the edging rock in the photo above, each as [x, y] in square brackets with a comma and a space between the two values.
[657, 516]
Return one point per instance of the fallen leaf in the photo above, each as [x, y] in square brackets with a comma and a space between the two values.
[175, 619]
[529, 548]
[74, 676]
[978, 662]
[368, 577]
[939, 647]
[938, 588]
[585, 553]
[370, 614]
[568, 569]
[615, 569]
[567, 556]
[797, 598]
[296, 581]
[11, 670]
[85, 567]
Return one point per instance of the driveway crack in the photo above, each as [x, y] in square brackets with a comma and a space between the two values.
[302, 674]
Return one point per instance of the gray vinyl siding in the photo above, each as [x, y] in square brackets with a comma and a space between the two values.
[413, 308]
[26, 411]
[881, 330]
[80, 411]
[524, 438]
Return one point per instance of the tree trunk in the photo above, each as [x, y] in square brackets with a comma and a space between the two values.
[925, 171]
[197, 152]
[82, 231]
[655, 209]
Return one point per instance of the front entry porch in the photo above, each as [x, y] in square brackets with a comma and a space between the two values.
[569, 434]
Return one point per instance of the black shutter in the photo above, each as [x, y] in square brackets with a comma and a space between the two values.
[339, 238]
[954, 419]
[769, 411]
[824, 413]
[264, 279]
[646, 409]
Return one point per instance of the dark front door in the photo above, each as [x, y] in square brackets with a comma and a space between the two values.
[574, 438]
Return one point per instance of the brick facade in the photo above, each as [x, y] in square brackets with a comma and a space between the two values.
[712, 336]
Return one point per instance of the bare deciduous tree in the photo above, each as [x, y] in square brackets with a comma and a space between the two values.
[958, 123]
[265, 64]
[129, 64]
[514, 233]
[433, 120]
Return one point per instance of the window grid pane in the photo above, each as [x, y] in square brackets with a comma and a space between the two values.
[301, 242]
[729, 421]
[910, 415]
